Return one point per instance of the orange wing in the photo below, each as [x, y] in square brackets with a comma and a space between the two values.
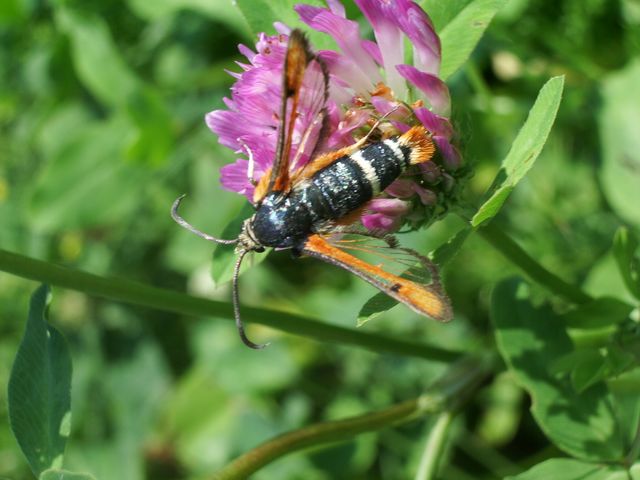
[426, 299]
[299, 61]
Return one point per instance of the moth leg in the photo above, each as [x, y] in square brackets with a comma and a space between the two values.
[388, 238]
[392, 242]
[251, 167]
[375, 126]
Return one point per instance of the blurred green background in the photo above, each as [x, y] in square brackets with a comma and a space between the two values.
[101, 128]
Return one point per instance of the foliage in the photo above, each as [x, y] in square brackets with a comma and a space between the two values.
[101, 107]
[40, 390]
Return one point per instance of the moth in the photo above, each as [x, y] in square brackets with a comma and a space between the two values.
[304, 209]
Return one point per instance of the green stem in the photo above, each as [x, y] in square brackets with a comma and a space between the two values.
[320, 433]
[536, 272]
[139, 294]
[461, 380]
[479, 85]
[434, 447]
[634, 451]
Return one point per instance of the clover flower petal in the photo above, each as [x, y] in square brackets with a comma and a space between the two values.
[385, 214]
[417, 25]
[346, 34]
[435, 90]
[368, 80]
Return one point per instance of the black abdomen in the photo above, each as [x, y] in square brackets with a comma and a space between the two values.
[336, 190]
[352, 180]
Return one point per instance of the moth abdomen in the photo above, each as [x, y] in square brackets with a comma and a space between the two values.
[353, 179]
[342, 186]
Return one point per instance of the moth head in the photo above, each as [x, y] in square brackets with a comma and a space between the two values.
[247, 240]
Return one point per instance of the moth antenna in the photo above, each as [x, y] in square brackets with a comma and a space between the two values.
[236, 306]
[184, 224]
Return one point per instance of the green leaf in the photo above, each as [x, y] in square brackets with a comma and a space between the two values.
[100, 67]
[604, 280]
[531, 339]
[85, 184]
[598, 313]
[261, 15]
[565, 364]
[618, 120]
[445, 252]
[589, 371]
[96, 59]
[525, 149]
[375, 306]
[589, 365]
[625, 244]
[40, 389]
[618, 359]
[224, 256]
[56, 474]
[626, 388]
[570, 469]
[153, 140]
[217, 344]
[441, 13]
[128, 394]
[462, 34]
[13, 11]
[220, 10]
[197, 412]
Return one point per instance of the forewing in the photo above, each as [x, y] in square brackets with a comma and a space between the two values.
[302, 111]
[311, 117]
[419, 288]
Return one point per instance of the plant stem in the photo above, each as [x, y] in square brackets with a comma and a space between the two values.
[536, 272]
[456, 384]
[320, 433]
[480, 87]
[136, 293]
[434, 447]
[634, 451]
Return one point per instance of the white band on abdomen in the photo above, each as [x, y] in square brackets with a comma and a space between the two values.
[393, 145]
[368, 170]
